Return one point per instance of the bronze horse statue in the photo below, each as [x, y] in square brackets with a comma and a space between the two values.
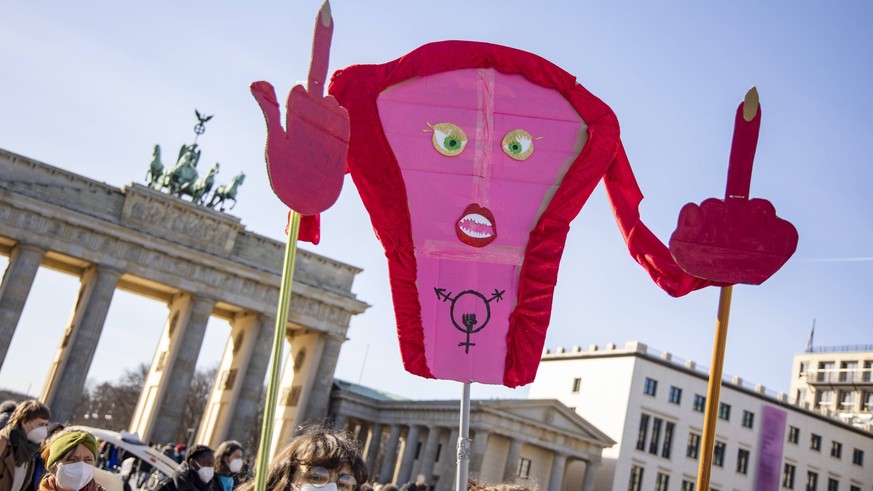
[226, 192]
[182, 176]
[156, 169]
[201, 187]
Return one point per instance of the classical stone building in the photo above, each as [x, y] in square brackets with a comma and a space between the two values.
[200, 262]
[541, 441]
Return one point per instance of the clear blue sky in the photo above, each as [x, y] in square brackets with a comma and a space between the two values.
[92, 88]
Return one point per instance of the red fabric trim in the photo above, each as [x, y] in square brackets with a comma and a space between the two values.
[374, 169]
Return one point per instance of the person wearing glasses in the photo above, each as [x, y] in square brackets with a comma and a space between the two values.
[320, 459]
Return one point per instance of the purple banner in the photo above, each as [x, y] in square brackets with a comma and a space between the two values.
[770, 449]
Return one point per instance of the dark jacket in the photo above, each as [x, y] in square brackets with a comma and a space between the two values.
[186, 479]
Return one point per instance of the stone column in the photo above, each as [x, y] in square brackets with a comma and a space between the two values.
[340, 421]
[590, 472]
[477, 452]
[428, 456]
[408, 458]
[162, 401]
[389, 458]
[556, 477]
[318, 397]
[373, 442]
[448, 462]
[233, 374]
[510, 468]
[243, 422]
[23, 264]
[66, 379]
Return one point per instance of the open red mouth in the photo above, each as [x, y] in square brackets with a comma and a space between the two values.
[476, 227]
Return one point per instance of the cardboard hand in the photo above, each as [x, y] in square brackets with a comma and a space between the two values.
[306, 159]
[735, 240]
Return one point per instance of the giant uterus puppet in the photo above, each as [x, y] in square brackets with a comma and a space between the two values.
[472, 159]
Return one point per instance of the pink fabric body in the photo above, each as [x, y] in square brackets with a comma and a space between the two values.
[486, 105]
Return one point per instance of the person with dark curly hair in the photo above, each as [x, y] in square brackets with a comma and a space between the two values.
[320, 459]
[196, 473]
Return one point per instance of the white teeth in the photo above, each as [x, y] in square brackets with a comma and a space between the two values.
[475, 235]
[477, 218]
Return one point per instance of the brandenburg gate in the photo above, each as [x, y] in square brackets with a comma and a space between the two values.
[200, 262]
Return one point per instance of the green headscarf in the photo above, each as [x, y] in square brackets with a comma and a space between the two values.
[66, 442]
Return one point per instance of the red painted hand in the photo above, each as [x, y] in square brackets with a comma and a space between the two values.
[306, 159]
[735, 240]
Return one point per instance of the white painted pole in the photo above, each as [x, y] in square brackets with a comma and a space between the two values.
[464, 442]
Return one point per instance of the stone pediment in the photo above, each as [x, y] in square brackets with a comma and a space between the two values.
[550, 413]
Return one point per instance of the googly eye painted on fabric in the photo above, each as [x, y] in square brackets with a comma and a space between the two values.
[448, 139]
[518, 144]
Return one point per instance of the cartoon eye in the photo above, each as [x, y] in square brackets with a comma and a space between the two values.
[448, 139]
[518, 144]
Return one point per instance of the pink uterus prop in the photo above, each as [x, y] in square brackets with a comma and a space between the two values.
[481, 154]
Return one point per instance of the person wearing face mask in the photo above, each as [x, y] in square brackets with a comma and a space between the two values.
[70, 462]
[19, 442]
[229, 464]
[320, 459]
[196, 473]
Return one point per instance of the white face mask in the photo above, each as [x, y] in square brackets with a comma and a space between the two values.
[75, 476]
[235, 465]
[38, 434]
[206, 473]
[331, 486]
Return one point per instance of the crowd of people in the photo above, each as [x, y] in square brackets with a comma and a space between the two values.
[37, 456]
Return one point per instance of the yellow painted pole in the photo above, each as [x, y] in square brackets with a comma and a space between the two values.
[278, 344]
[712, 393]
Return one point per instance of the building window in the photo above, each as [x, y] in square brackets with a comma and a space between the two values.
[847, 399]
[693, 448]
[811, 481]
[650, 387]
[833, 484]
[656, 436]
[523, 468]
[793, 434]
[868, 400]
[577, 384]
[815, 442]
[675, 395]
[826, 372]
[788, 476]
[825, 398]
[748, 419]
[718, 454]
[699, 403]
[661, 482]
[743, 461]
[848, 371]
[644, 428]
[687, 485]
[724, 411]
[852, 487]
[636, 479]
[668, 440]
[858, 457]
[804, 367]
[837, 450]
[868, 367]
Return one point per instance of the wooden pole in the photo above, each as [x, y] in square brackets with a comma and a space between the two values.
[712, 393]
[278, 345]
